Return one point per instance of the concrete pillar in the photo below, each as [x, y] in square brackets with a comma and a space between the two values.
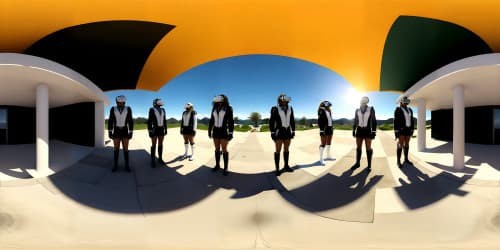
[42, 128]
[421, 125]
[458, 127]
[99, 124]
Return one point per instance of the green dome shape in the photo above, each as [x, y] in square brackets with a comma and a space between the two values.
[416, 46]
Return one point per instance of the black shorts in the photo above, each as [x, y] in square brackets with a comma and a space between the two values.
[406, 131]
[120, 133]
[219, 133]
[363, 132]
[328, 130]
[283, 134]
[159, 131]
[186, 130]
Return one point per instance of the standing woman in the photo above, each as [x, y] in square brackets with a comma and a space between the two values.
[325, 130]
[220, 128]
[120, 129]
[189, 124]
[364, 128]
[282, 126]
[403, 129]
[157, 128]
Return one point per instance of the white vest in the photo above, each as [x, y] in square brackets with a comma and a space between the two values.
[185, 118]
[363, 118]
[120, 117]
[329, 118]
[285, 118]
[218, 117]
[159, 116]
[407, 117]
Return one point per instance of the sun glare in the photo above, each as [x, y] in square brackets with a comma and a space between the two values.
[352, 97]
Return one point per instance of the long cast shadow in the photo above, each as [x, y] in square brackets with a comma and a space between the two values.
[331, 191]
[421, 190]
[145, 189]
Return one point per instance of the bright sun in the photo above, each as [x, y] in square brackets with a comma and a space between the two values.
[352, 97]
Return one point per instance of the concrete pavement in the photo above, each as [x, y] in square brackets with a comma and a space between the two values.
[186, 206]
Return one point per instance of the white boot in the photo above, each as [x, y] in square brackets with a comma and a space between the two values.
[191, 157]
[328, 156]
[185, 155]
[321, 150]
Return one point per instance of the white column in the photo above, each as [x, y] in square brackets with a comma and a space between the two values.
[458, 127]
[421, 125]
[99, 124]
[42, 128]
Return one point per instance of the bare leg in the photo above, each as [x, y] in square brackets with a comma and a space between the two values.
[125, 153]
[225, 155]
[217, 144]
[369, 152]
[359, 144]
[190, 138]
[153, 150]
[278, 144]
[160, 150]
[406, 148]
[286, 154]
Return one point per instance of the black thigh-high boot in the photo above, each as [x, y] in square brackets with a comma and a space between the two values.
[398, 151]
[405, 150]
[153, 152]
[369, 154]
[358, 159]
[160, 155]
[286, 156]
[115, 164]
[225, 156]
[277, 163]
[125, 154]
[217, 160]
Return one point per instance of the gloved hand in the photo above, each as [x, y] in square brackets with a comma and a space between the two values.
[181, 130]
[229, 137]
[293, 134]
[321, 133]
[396, 134]
[110, 134]
[273, 136]
[209, 134]
[165, 131]
[353, 133]
[150, 132]
[373, 135]
[194, 132]
[130, 135]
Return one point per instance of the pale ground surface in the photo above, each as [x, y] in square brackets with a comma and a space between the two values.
[186, 206]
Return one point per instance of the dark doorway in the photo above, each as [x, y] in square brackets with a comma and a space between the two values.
[3, 126]
[496, 125]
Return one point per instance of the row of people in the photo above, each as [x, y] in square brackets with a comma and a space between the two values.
[281, 125]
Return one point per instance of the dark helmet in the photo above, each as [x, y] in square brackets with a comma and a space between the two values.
[405, 100]
[284, 98]
[158, 102]
[326, 104]
[121, 98]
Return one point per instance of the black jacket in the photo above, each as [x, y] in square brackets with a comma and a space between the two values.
[227, 121]
[275, 120]
[129, 122]
[153, 122]
[372, 120]
[400, 121]
[323, 119]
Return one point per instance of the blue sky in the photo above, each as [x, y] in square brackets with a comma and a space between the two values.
[253, 83]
